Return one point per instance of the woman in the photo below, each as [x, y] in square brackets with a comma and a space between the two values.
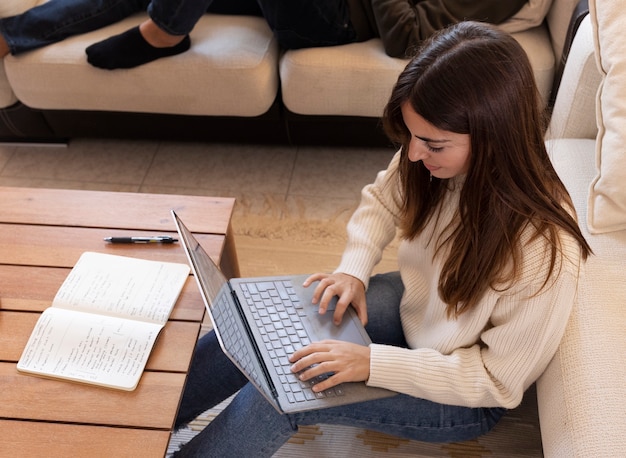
[488, 265]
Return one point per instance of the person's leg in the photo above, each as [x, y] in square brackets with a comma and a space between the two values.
[383, 298]
[131, 49]
[309, 23]
[248, 426]
[212, 378]
[409, 418]
[56, 20]
[267, 430]
[178, 17]
[402, 415]
[157, 37]
[165, 33]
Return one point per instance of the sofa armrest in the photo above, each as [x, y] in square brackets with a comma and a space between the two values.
[574, 112]
[581, 396]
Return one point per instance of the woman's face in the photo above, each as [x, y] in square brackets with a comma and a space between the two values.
[445, 154]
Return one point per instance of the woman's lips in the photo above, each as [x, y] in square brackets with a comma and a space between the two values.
[431, 168]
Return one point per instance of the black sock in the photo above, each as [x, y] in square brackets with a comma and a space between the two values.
[129, 50]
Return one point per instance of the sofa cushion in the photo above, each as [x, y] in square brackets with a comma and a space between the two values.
[607, 194]
[357, 79]
[349, 80]
[230, 70]
[13, 7]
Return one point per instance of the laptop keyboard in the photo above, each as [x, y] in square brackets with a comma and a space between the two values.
[277, 311]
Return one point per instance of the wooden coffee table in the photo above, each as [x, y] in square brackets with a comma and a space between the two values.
[42, 234]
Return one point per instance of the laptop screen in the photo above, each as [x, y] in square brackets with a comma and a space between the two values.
[231, 327]
[211, 279]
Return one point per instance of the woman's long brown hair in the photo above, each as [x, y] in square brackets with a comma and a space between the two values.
[474, 79]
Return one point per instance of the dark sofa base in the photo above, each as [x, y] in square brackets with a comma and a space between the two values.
[21, 124]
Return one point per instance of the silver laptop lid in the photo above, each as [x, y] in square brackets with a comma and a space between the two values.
[222, 307]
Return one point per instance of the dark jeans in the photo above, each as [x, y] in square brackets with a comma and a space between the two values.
[250, 426]
[296, 23]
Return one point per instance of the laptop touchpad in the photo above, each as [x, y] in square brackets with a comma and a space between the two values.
[324, 327]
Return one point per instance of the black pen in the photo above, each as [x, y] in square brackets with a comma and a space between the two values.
[153, 239]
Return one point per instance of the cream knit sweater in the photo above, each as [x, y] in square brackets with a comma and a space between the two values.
[488, 356]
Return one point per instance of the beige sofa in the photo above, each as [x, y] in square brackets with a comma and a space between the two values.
[234, 84]
[582, 395]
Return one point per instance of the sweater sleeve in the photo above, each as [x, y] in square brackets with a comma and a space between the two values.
[373, 225]
[404, 24]
[522, 331]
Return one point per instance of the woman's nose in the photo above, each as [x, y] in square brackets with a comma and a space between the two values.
[417, 151]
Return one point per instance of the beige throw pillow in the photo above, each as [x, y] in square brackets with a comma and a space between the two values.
[531, 15]
[607, 193]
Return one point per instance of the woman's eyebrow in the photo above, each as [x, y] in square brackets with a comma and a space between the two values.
[431, 140]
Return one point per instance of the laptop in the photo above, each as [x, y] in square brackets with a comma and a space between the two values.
[260, 321]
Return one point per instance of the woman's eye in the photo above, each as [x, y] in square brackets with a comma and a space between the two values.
[433, 149]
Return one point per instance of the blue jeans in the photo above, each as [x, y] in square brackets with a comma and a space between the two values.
[250, 426]
[296, 23]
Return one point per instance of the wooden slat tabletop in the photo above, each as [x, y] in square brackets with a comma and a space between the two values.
[151, 405]
[43, 232]
[58, 246]
[55, 440]
[123, 210]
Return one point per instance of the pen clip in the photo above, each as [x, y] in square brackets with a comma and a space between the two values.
[164, 239]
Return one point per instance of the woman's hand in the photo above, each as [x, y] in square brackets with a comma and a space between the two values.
[347, 362]
[349, 290]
